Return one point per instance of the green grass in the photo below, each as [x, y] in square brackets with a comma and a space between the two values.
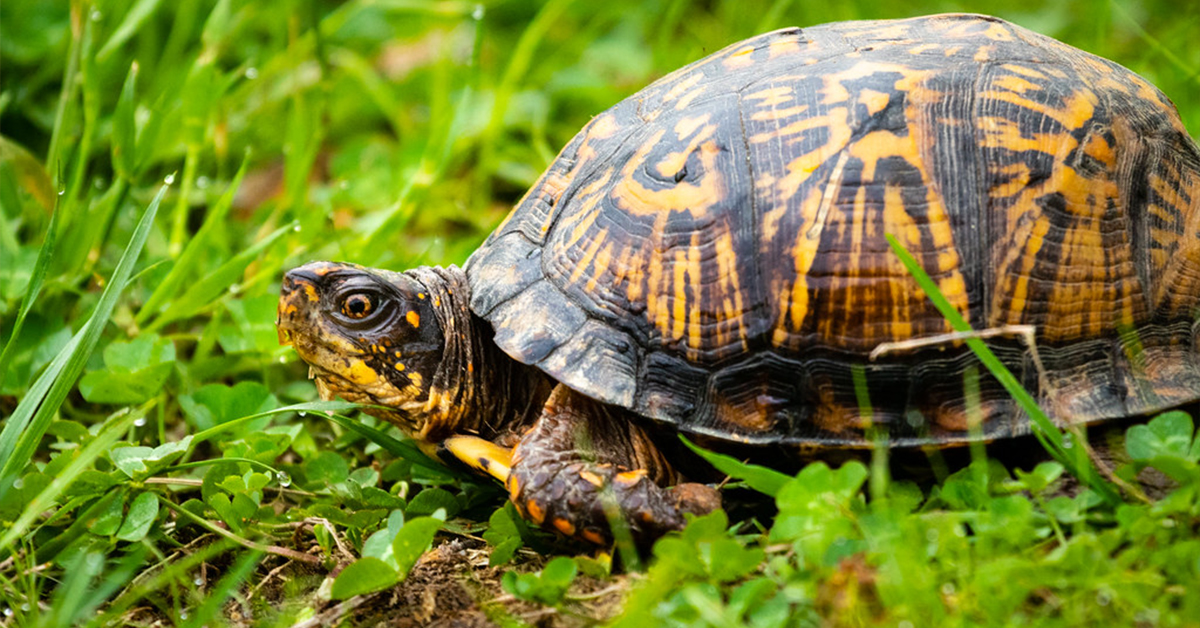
[161, 165]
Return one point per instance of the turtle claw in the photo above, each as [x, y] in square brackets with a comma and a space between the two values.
[583, 500]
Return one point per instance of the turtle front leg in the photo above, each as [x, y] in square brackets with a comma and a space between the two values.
[582, 458]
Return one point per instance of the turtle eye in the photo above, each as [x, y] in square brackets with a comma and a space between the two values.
[358, 305]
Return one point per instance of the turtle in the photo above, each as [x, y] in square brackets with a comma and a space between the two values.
[709, 258]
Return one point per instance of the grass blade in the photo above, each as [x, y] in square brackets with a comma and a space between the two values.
[217, 282]
[83, 461]
[137, 16]
[189, 258]
[34, 288]
[27, 425]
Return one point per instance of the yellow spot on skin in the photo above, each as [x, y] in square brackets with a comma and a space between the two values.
[413, 318]
[399, 366]
[360, 373]
[310, 291]
[420, 295]
[536, 514]
[564, 526]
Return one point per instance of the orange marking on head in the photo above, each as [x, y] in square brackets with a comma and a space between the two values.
[564, 526]
[413, 318]
[514, 487]
[310, 292]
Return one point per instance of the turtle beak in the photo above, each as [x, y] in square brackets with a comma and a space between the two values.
[298, 293]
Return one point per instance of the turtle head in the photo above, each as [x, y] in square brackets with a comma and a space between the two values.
[369, 336]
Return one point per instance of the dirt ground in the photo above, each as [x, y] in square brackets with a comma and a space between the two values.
[453, 586]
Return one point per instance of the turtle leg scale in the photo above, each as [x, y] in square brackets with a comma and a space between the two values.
[583, 465]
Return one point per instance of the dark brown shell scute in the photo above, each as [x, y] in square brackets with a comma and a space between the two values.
[711, 251]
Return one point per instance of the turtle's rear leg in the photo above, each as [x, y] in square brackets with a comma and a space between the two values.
[582, 457]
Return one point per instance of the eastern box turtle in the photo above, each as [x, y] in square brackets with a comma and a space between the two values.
[709, 254]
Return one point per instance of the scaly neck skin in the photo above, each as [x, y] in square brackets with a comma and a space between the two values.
[477, 389]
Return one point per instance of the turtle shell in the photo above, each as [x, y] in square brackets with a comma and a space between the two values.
[711, 251]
